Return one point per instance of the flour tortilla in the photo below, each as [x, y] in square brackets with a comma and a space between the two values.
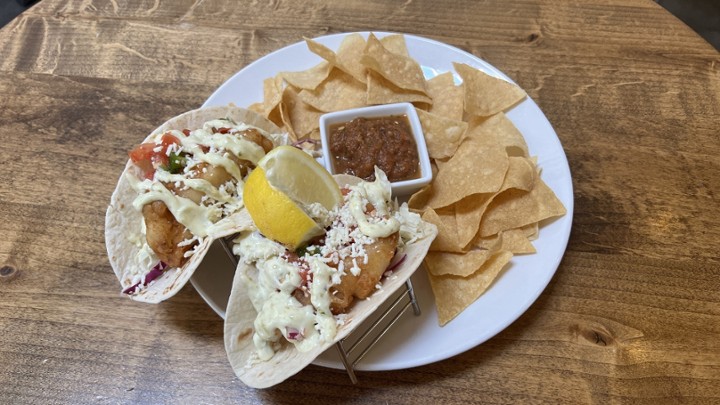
[123, 222]
[240, 318]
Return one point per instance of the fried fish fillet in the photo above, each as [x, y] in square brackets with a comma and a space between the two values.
[163, 231]
[379, 256]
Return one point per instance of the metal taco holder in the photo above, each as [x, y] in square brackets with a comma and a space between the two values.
[360, 345]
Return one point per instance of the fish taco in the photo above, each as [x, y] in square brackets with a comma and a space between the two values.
[288, 305]
[181, 189]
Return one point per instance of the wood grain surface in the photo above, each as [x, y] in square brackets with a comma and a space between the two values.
[631, 316]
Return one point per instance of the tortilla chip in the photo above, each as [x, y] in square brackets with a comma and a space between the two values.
[257, 107]
[381, 91]
[272, 94]
[446, 225]
[322, 51]
[300, 118]
[308, 79]
[515, 208]
[314, 134]
[474, 169]
[462, 264]
[531, 231]
[339, 92]
[454, 293]
[468, 213]
[402, 71]
[487, 95]
[396, 44]
[349, 54]
[418, 201]
[521, 174]
[347, 59]
[515, 241]
[447, 97]
[470, 210]
[442, 135]
[498, 129]
[439, 163]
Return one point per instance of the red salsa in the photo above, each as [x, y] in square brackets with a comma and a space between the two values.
[361, 144]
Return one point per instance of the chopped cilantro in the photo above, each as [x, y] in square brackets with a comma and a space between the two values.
[308, 250]
[176, 163]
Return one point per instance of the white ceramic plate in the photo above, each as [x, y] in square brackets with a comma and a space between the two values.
[416, 341]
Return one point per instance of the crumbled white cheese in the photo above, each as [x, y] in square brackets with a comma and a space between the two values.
[188, 242]
[202, 146]
[276, 278]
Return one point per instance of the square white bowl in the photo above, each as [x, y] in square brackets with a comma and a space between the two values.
[399, 188]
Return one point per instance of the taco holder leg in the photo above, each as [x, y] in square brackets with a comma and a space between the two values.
[376, 329]
[347, 356]
[228, 249]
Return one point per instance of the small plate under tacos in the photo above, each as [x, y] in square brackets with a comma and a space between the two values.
[180, 190]
[286, 307]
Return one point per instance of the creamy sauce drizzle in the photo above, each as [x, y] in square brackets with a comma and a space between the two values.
[271, 280]
[218, 202]
[270, 284]
[198, 218]
[378, 194]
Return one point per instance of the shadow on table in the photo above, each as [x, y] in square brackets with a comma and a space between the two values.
[703, 16]
[187, 313]
[10, 9]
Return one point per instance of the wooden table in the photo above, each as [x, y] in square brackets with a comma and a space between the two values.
[632, 314]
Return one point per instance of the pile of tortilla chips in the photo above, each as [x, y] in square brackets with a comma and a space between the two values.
[486, 197]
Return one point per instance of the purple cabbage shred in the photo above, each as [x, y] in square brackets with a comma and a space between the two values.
[154, 273]
[397, 264]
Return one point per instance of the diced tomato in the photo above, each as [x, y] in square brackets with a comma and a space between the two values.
[221, 130]
[305, 275]
[303, 268]
[148, 157]
[141, 155]
[167, 140]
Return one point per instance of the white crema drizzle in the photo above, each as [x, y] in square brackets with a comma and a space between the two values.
[201, 145]
[271, 280]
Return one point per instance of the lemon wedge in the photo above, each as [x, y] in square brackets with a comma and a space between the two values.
[286, 180]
